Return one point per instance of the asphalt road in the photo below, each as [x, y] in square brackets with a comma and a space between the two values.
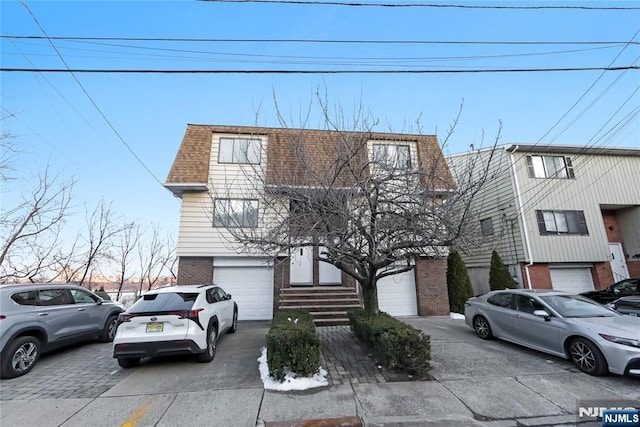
[475, 382]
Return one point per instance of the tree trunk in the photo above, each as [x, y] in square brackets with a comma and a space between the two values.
[370, 296]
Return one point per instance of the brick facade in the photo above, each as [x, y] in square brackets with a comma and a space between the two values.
[280, 279]
[602, 275]
[540, 276]
[431, 287]
[195, 270]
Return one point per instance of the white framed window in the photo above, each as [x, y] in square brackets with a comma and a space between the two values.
[562, 222]
[486, 226]
[392, 155]
[235, 213]
[550, 167]
[239, 150]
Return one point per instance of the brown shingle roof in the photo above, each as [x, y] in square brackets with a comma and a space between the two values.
[292, 153]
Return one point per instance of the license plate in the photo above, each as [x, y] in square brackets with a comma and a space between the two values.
[155, 327]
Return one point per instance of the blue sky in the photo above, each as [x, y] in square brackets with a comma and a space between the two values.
[56, 123]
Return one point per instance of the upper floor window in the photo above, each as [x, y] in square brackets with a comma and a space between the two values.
[392, 155]
[235, 213]
[562, 222]
[486, 225]
[550, 167]
[239, 150]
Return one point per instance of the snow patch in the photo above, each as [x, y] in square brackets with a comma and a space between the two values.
[290, 381]
[456, 316]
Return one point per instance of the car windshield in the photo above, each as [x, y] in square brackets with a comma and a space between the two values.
[576, 306]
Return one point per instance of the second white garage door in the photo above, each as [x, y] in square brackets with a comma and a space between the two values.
[574, 280]
[250, 287]
[397, 294]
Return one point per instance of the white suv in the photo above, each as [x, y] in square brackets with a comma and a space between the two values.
[175, 320]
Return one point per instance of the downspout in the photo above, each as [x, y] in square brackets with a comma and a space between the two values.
[522, 218]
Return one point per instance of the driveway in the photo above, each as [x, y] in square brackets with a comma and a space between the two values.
[475, 382]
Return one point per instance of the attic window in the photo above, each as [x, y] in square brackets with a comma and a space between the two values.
[239, 151]
[392, 156]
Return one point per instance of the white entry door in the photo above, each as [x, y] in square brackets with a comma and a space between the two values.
[301, 267]
[329, 274]
[618, 263]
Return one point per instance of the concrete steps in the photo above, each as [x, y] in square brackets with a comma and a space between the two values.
[327, 304]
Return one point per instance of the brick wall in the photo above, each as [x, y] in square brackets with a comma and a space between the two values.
[195, 270]
[540, 276]
[602, 275]
[431, 287]
[280, 279]
[634, 268]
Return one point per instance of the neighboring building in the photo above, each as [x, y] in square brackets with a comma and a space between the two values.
[560, 217]
[215, 161]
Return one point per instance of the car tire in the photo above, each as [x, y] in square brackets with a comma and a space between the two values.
[482, 328]
[234, 323]
[20, 357]
[212, 342]
[128, 362]
[109, 330]
[588, 357]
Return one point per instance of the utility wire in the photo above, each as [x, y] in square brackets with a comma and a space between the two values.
[433, 5]
[435, 71]
[72, 72]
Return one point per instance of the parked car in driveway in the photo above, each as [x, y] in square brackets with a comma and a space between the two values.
[626, 305]
[175, 320]
[623, 288]
[596, 339]
[36, 318]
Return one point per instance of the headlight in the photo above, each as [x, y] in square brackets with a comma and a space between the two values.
[624, 341]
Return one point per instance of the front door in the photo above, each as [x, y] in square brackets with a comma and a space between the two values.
[618, 263]
[328, 274]
[301, 267]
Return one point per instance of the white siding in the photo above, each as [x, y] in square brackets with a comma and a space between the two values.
[599, 180]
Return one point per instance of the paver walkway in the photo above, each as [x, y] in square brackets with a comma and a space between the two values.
[346, 360]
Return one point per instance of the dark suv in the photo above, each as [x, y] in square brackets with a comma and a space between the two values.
[623, 288]
[35, 318]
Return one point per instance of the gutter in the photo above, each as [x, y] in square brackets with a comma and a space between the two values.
[527, 243]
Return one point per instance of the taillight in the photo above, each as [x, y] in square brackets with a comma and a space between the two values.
[124, 317]
[190, 314]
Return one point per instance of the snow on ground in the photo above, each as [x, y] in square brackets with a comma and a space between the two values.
[290, 381]
[456, 316]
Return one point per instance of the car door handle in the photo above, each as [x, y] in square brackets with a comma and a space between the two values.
[46, 313]
[82, 309]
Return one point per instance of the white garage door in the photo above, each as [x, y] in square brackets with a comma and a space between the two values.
[250, 287]
[574, 280]
[397, 294]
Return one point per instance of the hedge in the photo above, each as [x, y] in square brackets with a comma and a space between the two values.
[292, 343]
[400, 346]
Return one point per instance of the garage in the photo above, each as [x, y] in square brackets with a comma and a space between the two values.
[397, 294]
[571, 279]
[251, 287]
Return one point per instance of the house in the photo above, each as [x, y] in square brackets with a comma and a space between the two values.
[560, 217]
[215, 174]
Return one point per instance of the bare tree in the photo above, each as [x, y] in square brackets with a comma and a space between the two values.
[374, 208]
[123, 249]
[152, 257]
[30, 230]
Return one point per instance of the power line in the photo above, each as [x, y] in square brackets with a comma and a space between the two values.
[434, 71]
[432, 5]
[329, 41]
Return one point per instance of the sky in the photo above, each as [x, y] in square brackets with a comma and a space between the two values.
[117, 134]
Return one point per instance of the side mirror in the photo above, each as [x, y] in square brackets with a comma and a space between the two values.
[228, 296]
[542, 313]
[100, 301]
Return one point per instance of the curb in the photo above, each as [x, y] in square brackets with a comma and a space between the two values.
[322, 422]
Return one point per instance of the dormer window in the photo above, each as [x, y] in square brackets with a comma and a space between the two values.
[239, 151]
[392, 156]
[550, 167]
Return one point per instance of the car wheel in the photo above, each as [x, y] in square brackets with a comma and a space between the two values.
[128, 362]
[20, 357]
[212, 340]
[234, 325]
[482, 327]
[587, 357]
[109, 331]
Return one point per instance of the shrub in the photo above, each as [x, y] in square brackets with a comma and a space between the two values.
[499, 276]
[400, 346]
[292, 343]
[458, 283]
